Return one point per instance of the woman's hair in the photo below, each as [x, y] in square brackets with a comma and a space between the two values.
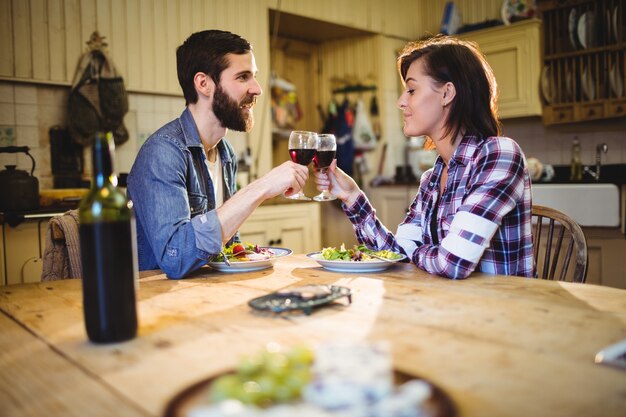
[474, 109]
[206, 52]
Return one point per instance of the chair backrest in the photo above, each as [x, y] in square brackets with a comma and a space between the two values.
[550, 264]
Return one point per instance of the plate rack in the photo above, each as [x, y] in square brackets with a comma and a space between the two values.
[584, 60]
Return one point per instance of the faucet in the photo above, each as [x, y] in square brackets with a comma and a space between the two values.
[600, 148]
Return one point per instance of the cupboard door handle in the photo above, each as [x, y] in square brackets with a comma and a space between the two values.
[591, 112]
[273, 242]
[619, 109]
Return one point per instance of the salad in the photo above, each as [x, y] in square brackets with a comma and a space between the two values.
[243, 252]
[358, 253]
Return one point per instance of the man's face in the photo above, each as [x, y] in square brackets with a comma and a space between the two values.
[236, 93]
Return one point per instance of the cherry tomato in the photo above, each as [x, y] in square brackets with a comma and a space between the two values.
[239, 251]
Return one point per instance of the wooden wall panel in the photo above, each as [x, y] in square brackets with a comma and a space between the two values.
[6, 39]
[74, 43]
[21, 40]
[173, 39]
[43, 39]
[56, 36]
[88, 20]
[40, 40]
[472, 11]
[118, 35]
[145, 59]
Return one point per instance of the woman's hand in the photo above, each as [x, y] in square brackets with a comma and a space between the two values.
[338, 183]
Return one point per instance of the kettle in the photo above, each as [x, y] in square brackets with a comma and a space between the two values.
[19, 191]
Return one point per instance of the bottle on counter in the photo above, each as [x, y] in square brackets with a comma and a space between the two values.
[108, 250]
[576, 166]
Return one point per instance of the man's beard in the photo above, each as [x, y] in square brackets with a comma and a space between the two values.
[229, 112]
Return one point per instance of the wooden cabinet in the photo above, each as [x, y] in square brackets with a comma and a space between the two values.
[514, 54]
[392, 203]
[295, 226]
[583, 63]
[21, 250]
[607, 264]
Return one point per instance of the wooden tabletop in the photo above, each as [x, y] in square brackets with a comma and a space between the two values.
[499, 346]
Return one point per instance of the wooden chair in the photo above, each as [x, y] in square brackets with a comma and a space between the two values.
[547, 258]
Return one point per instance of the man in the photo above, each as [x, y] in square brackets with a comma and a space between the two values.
[183, 181]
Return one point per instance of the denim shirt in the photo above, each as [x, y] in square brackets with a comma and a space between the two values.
[173, 199]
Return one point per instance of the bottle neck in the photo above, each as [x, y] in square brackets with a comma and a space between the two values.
[102, 160]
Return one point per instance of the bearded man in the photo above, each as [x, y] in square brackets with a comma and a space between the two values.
[183, 181]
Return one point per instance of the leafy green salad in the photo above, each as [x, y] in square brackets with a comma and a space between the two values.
[358, 253]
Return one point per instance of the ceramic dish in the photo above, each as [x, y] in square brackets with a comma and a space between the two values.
[587, 30]
[615, 79]
[572, 28]
[546, 84]
[249, 266]
[439, 404]
[354, 266]
[569, 85]
[615, 28]
[588, 84]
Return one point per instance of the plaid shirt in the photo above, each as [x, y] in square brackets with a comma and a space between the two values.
[483, 219]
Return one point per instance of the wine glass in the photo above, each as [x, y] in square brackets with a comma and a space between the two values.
[324, 155]
[302, 146]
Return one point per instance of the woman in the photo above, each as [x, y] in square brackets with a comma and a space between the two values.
[473, 208]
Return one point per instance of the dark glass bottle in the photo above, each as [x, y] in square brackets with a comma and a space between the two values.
[108, 252]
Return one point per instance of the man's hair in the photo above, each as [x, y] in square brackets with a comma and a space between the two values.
[206, 52]
[446, 59]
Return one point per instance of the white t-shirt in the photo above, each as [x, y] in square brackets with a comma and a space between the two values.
[215, 171]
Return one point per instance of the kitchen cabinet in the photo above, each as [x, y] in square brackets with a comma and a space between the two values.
[513, 51]
[583, 63]
[606, 248]
[295, 226]
[22, 248]
[392, 203]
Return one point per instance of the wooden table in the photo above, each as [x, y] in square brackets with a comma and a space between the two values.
[500, 346]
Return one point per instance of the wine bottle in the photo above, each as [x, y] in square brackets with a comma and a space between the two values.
[108, 250]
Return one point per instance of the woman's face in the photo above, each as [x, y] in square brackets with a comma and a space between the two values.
[422, 104]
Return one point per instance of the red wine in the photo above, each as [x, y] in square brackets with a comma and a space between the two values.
[302, 156]
[323, 159]
[108, 281]
[108, 250]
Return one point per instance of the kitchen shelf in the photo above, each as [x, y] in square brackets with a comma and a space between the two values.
[584, 60]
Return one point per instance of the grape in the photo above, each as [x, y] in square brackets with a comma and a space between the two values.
[269, 377]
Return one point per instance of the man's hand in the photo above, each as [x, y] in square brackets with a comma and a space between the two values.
[287, 178]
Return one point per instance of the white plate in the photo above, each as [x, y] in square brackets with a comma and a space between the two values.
[546, 84]
[587, 33]
[572, 28]
[249, 266]
[615, 78]
[615, 31]
[569, 85]
[588, 84]
[353, 266]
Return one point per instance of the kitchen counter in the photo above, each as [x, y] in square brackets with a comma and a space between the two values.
[609, 174]
[499, 346]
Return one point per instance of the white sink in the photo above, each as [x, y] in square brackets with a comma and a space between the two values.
[588, 204]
